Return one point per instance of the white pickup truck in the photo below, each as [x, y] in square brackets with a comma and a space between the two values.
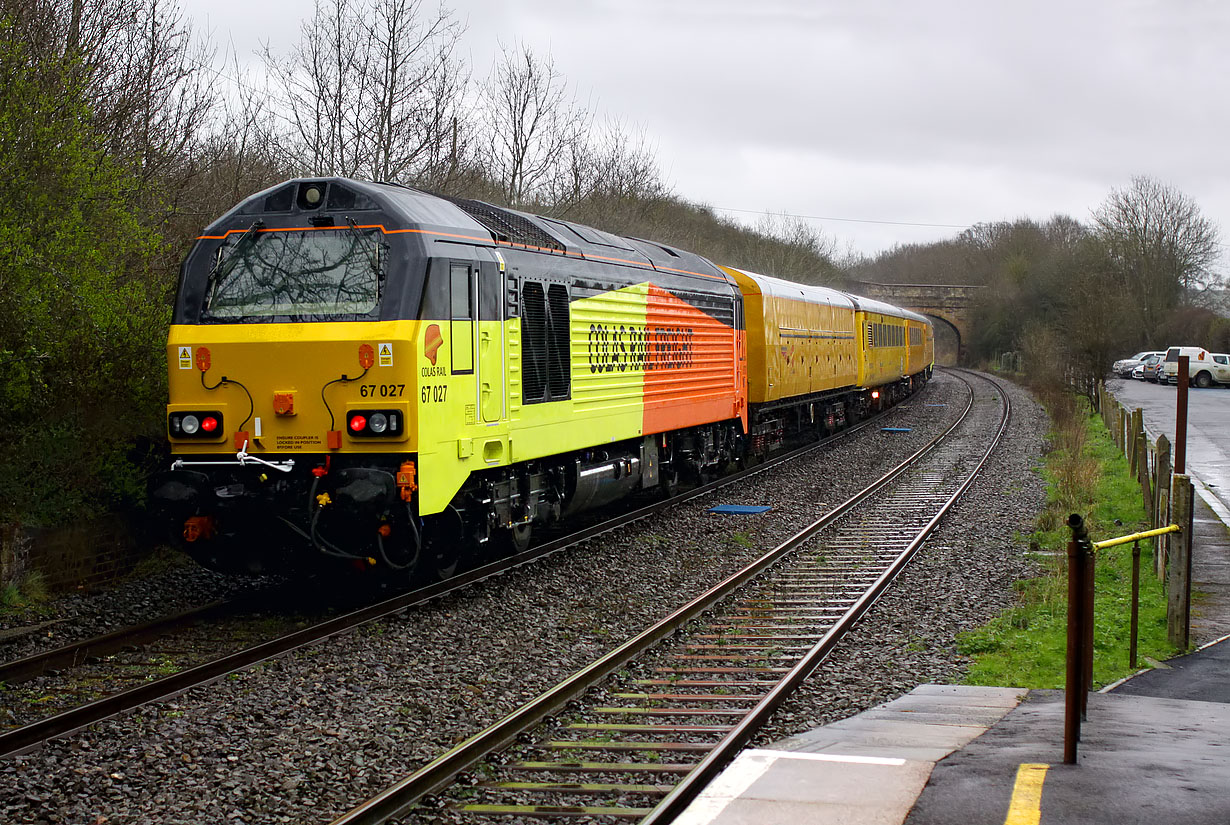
[1204, 368]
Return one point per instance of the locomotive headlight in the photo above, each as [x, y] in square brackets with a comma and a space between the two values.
[198, 424]
[312, 195]
[376, 423]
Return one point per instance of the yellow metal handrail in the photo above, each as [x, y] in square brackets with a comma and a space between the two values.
[1173, 528]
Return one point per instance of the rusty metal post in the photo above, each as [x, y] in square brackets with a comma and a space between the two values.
[1180, 420]
[1135, 603]
[1179, 567]
[1078, 547]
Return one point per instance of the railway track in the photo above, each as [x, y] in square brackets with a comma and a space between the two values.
[99, 694]
[638, 733]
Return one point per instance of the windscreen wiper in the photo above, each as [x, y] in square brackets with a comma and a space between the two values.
[371, 256]
[215, 274]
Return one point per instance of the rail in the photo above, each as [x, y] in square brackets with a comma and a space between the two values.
[27, 736]
[399, 799]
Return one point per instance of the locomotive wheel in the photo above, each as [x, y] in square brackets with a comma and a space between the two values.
[443, 540]
[512, 540]
[518, 537]
[668, 480]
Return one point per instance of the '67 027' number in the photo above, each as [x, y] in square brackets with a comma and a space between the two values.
[381, 390]
[434, 393]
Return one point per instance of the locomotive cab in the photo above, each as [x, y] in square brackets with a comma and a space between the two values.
[292, 365]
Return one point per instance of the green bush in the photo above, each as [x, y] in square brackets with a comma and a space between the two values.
[82, 317]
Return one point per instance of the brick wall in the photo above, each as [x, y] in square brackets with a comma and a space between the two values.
[88, 555]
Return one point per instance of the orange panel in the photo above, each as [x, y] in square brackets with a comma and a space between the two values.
[693, 366]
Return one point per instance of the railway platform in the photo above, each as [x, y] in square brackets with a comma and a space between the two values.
[1155, 748]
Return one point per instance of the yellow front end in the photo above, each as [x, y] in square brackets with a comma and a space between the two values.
[282, 389]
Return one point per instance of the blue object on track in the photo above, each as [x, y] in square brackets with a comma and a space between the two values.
[935, 405]
[896, 429]
[740, 508]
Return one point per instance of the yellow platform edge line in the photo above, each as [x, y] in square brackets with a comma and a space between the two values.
[1026, 805]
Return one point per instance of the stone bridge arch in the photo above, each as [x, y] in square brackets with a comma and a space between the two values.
[950, 304]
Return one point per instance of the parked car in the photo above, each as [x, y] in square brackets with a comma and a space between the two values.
[1220, 368]
[1151, 368]
[1147, 368]
[1123, 368]
[1199, 373]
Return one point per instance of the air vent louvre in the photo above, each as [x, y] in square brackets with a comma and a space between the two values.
[506, 226]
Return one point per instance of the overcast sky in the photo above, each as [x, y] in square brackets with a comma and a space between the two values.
[874, 117]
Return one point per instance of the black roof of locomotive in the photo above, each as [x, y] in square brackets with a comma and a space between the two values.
[421, 219]
[402, 207]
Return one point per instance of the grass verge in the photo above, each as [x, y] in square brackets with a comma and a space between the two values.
[23, 595]
[1025, 646]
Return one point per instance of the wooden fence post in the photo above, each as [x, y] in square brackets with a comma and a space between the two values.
[1142, 473]
[1161, 507]
[1129, 444]
[1136, 429]
[1179, 567]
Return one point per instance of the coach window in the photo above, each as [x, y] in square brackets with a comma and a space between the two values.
[461, 317]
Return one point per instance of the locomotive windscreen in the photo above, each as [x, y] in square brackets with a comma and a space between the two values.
[318, 273]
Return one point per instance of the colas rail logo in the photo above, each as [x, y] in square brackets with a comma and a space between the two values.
[432, 341]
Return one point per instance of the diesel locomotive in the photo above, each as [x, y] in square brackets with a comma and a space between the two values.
[408, 382]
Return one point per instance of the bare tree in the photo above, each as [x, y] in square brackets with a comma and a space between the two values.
[1161, 247]
[538, 132]
[415, 84]
[322, 81]
[141, 63]
[791, 247]
[626, 164]
[373, 89]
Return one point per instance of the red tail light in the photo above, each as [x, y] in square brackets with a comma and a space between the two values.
[209, 424]
[376, 423]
